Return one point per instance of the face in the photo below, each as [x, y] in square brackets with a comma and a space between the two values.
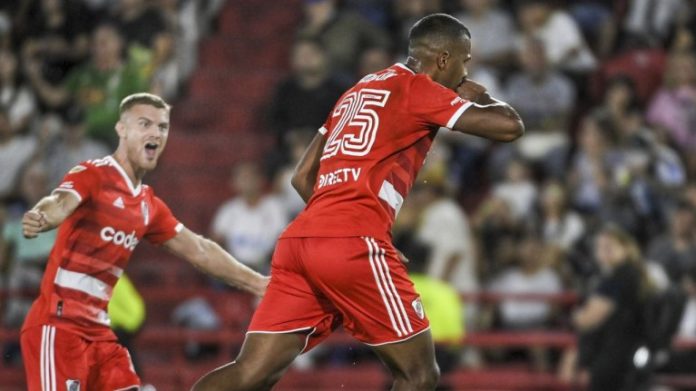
[247, 180]
[143, 132]
[533, 57]
[608, 251]
[452, 64]
[308, 59]
[106, 44]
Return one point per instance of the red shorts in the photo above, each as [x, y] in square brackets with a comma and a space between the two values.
[55, 359]
[319, 283]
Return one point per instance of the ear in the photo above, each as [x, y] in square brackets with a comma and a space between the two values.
[120, 129]
[442, 59]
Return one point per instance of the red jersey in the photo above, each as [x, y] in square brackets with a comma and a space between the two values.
[378, 135]
[93, 246]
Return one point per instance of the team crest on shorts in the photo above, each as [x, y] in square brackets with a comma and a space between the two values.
[418, 307]
[72, 385]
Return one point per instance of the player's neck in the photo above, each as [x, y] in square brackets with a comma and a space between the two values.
[414, 64]
[135, 175]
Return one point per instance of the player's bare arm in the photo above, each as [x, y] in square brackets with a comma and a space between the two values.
[48, 213]
[488, 117]
[208, 256]
[305, 175]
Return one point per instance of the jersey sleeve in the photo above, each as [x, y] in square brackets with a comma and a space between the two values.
[434, 104]
[324, 130]
[82, 181]
[164, 225]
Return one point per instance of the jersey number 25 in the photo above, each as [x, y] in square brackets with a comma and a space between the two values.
[357, 124]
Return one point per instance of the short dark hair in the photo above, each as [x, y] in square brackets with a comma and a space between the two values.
[143, 98]
[437, 26]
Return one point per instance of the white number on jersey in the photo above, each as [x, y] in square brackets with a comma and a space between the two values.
[354, 111]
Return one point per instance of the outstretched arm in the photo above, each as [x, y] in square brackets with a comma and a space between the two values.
[488, 117]
[306, 171]
[211, 258]
[48, 213]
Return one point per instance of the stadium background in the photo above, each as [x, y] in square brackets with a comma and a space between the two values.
[607, 90]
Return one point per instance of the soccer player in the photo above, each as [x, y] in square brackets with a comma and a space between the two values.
[103, 211]
[335, 263]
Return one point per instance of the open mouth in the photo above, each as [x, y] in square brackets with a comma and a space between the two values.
[151, 149]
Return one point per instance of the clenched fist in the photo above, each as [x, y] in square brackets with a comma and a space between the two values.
[33, 223]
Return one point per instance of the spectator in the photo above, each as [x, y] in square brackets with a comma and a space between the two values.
[611, 320]
[140, 22]
[492, 29]
[517, 189]
[530, 275]
[373, 60]
[15, 96]
[544, 99]
[673, 108]
[562, 40]
[652, 21]
[344, 34]
[146, 38]
[561, 227]
[249, 224]
[15, 151]
[676, 250]
[590, 171]
[619, 98]
[56, 36]
[27, 260]
[304, 100]
[444, 228]
[71, 147]
[98, 86]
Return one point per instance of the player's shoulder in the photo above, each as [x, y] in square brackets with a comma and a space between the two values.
[90, 166]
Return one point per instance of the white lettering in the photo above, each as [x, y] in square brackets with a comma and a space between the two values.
[119, 238]
[341, 175]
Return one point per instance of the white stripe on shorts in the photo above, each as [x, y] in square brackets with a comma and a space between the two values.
[393, 288]
[47, 359]
[391, 299]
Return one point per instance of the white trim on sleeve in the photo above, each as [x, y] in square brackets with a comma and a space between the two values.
[457, 114]
[71, 191]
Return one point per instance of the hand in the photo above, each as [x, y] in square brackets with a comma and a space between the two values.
[471, 91]
[33, 223]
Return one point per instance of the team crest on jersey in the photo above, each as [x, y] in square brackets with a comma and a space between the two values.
[72, 385]
[418, 307]
[146, 212]
[77, 169]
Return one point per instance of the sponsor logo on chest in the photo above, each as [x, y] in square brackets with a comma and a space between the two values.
[119, 238]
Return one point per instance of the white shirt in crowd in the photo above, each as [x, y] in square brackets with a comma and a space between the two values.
[250, 232]
[445, 228]
[524, 313]
[13, 155]
[519, 196]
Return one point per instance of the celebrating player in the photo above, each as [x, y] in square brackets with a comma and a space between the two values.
[103, 211]
[335, 263]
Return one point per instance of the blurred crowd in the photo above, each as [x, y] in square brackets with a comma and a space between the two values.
[65, 65]
[607, 91]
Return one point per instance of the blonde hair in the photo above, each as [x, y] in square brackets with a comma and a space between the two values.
[143, 98]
